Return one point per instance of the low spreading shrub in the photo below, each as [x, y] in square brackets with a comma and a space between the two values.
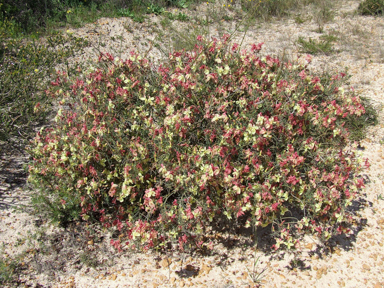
[162, 153]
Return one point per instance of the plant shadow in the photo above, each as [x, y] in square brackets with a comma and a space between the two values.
[12, 177]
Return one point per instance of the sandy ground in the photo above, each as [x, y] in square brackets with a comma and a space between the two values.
[81, 256]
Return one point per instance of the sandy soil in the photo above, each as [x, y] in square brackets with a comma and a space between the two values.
[79, 256]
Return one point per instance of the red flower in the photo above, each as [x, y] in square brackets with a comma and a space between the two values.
[292, 180]
[274, 206]
[257, 47]
[240, 213]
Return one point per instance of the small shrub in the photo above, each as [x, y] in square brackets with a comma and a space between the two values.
[7, 270]
[371, 7]
[180, 16]
[300, 20]
[179, 3]
[312, 46]
[162, 153]
[89, 259]
[126, 13]
[155, 9]
[324, 13]
[267, 8]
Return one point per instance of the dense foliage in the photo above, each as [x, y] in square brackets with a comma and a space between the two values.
[29, 16]
[25, 70]
[162, 153]
[371, 7]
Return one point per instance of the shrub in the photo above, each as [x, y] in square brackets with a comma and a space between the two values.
[267, 9]
[8, 269]
[25, 67]
[30, 15]
[217, 133]
[315, 46]
[371, 7]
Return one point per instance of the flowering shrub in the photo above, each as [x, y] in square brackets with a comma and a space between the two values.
[162, 153]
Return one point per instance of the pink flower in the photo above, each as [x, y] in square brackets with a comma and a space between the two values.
[360, 183]
[292, 180]
[302, 74]
[189, 213]
[274, 206]
[240, 213]
[256, 47]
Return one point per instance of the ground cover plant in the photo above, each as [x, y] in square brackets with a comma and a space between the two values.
[161, 153]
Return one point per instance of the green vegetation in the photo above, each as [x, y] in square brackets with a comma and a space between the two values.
[179, 16]
[357, 126]
[268, 9]
[144, 151]
[312, 46]
[371, 7]
[10, 267]
[19, 16]
[26, 69]
[7, 270]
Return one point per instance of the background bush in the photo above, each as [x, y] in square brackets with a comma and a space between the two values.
[26, 67]
[162, 153]
[29, 16]
[371, 7]
[266, 9]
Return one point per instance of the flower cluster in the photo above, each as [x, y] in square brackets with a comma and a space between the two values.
[160, 153]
